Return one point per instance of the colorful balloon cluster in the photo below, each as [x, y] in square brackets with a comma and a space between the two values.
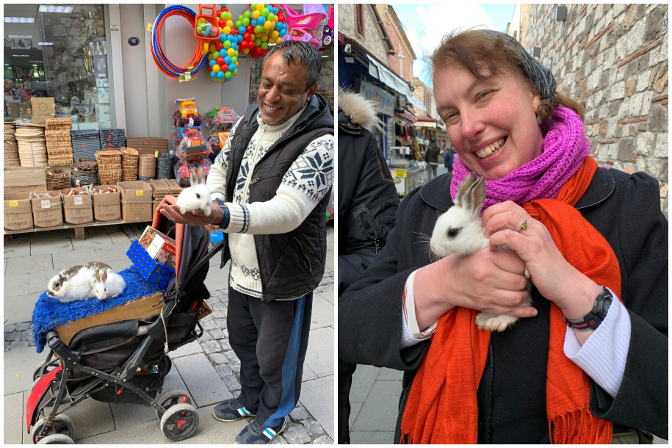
[223, 55]
[261, 26]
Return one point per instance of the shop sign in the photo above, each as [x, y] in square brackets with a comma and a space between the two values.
[399, 173]
[384, 101]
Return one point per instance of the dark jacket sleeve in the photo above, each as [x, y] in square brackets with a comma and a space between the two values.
[641, 401]
[370, 311]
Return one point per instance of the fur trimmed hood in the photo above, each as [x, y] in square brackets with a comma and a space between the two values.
[359, 110]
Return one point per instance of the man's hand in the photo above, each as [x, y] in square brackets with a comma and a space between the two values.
[193, 218]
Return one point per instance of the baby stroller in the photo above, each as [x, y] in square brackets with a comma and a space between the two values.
[120, 355]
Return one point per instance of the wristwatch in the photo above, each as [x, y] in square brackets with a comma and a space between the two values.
[225, 222]
[594, 318]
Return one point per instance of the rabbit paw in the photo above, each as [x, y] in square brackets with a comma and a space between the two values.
[206, 211]
[183, 210]
[494, 322]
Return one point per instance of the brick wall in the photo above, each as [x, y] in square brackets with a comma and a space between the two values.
[401, 67]
[614, 60]
[373, 38]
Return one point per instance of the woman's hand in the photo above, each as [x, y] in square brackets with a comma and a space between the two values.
[553, 276]
[193, 218]
[489, 281]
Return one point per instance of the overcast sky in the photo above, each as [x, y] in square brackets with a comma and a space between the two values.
[425, 25]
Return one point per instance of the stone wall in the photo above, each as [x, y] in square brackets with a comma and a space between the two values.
[614, 60]
[373, 36]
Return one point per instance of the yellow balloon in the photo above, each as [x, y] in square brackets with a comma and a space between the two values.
[230, 51]
[212, 48]
[279, 41]
[274, 35]
[268, 25]
[252, 36]
[264, 38]
[229, 23]
[256, 14]
[260, 6]
[237, 62]
[215, 68]
[227, 30]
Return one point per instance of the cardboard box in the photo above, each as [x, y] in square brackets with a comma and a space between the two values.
[26, 176]
[28, 189]
[107, 206]
[159, 246]
[77, 209]
[18, 211]
[24, 109]
[43, 108]
[12, 109]
[48, 212]
[136, 201]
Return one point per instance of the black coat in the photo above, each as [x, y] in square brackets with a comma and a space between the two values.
[367, 200]
[625, 209]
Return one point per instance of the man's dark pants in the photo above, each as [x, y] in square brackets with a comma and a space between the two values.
[270, 339]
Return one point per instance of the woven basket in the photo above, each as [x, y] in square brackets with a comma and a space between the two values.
[83, 172]
[58, 180]
[109, 177]
[147, 165]
[58, 121]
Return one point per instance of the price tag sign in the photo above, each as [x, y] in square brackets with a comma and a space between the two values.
[46, 203]
[79, 200]
[399, 173]
[13, 203]
[139, 193]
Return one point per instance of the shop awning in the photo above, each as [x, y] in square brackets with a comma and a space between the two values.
[407, 116]
[417, 103]
[424, 122]
[378, 71]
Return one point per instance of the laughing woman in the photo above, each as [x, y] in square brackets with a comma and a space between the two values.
[587, 363]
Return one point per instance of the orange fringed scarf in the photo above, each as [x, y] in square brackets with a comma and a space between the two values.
[442, 407]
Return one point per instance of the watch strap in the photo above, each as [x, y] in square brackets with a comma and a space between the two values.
[594, 318]
[227, 215]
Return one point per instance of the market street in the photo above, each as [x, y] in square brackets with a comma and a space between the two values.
[207, 368]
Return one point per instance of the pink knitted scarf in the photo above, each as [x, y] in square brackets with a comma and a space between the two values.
[562, 152]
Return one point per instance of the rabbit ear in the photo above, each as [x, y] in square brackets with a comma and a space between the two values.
[192, 178]
[471, 194]
[97, 276]
[104, 276]
[201, 175]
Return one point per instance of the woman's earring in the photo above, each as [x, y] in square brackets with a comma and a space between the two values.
[538, 120]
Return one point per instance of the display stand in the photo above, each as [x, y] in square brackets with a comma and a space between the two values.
[80, 231]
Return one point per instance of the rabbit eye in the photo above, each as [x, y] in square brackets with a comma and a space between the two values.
[198, 196]
[452, 233]
[56, 285]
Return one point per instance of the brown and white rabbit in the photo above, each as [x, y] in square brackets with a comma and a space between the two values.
[75, 283]
[108, 284]
[459, 231]
[197, 196]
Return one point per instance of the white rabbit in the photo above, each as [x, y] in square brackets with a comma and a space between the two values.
[459, 231]
[109, 284]
[197, 196]
[75, 283]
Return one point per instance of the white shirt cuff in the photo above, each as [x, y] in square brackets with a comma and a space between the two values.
[410, 333]
[604, 354]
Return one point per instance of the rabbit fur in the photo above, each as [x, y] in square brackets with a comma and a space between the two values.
[197, 196]
[459, 231]
[108, 284]
[75, 283]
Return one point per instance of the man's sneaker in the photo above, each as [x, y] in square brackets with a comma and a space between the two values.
[231, 410]
[255, 433]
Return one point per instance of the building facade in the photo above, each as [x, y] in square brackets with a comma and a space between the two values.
[614, 60]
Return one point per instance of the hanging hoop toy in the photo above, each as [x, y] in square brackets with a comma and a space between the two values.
[168, 68]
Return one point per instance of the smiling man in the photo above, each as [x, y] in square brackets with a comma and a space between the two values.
[270, 187]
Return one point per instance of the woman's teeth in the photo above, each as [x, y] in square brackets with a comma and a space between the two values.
[491, 149]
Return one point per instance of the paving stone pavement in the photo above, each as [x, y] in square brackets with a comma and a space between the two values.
[207, 368]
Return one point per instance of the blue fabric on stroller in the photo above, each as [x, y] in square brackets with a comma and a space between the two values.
[50, 313]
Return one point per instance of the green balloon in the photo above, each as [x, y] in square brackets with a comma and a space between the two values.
[270, 17]
[221, 16]
[239, 23]
[227, 75]
[247, 14]
[253, 6]
[235, 54]
[264, 12]
[259, 29]
[233, 72]
[246, 21]
[264, 45]
[227, 44]
[234, 59]
[257, 42]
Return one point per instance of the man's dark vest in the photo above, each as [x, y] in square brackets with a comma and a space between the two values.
[290, 264]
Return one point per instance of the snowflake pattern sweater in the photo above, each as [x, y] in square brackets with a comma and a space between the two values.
[303, 187]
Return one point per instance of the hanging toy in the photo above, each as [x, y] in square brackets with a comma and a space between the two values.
[223, 54]
[205, 28]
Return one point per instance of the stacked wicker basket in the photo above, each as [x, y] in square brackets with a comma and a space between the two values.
[129, 164]
[83, 172]
[147, 167]
[109, 166]
[32, 148]
[11, 147]
[58, 180]
[59, 144]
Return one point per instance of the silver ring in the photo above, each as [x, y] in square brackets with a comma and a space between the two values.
[523, 226]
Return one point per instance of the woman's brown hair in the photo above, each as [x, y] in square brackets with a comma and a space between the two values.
[485, 56]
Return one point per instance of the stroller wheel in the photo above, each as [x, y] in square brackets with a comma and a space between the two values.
[56, 438]
[179, 422]
[63, 426]
[172, 398]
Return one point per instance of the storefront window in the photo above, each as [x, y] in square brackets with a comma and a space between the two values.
[60, 52]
